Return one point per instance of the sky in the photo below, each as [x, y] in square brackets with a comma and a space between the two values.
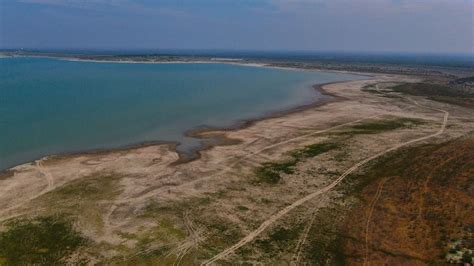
[427, 26]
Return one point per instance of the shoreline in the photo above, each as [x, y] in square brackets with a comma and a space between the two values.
[128, 203]
[199, 132]
[204, 61]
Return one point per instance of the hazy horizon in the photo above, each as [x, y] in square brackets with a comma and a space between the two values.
[223, 51]
[361, 26]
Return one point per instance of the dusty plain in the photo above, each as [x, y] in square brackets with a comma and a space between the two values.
[358, 180]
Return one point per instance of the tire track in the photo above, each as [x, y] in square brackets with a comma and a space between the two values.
[49, 186]
[369, 218]
[222, 171]
[272, 219]
[46, 174]
[301, 242]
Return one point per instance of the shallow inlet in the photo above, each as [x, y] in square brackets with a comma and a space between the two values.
[51, 106]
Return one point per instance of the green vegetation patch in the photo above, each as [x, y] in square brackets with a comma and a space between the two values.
[459, 95]
[284, 234]
[314, 150]
[417, 162]
[431, 89]
[325, 243]
[44, 240]
[164, 232]
[279, 241]
[153, 244]
[158, 210]
[80, 198]
[383, 125]
[270, 172]
[220, 233]
[399, 163]
[98, 186]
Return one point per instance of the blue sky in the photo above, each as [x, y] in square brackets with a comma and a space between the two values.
[437, 26]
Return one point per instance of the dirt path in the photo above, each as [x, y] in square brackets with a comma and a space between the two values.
[369, 218]
[231, 167]
[421, 197]
[221, 172]
[49, 186]
[272, 219]
[46, 174]
[107, 224]
[192, 241]
[302, 240]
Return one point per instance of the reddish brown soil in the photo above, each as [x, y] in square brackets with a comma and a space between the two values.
[426, 197]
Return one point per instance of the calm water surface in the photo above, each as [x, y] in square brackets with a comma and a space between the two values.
[50, 106]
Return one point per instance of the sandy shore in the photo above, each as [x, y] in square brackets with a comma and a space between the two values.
[211, 139]
[144, 187]
[239, 62]
[206, 132]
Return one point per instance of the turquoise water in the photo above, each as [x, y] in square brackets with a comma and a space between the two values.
[50, 106]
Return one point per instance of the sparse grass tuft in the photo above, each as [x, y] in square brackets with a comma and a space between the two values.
[325, 244]
[42, 241]
[242, 208]
[221, 234]
[383, 125]
[79, 198]
[270, 172]
[280, 239]
[443, 93]
[431, 89]
[284, 234]
[99, 186]
[314, 150]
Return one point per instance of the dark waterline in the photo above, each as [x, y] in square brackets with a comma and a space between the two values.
[53, 106]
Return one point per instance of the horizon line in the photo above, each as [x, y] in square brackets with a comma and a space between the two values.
[296, 51]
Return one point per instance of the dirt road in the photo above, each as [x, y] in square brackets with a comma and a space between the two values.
[272, 219]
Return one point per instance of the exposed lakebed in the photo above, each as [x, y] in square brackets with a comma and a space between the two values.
[50, 106]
